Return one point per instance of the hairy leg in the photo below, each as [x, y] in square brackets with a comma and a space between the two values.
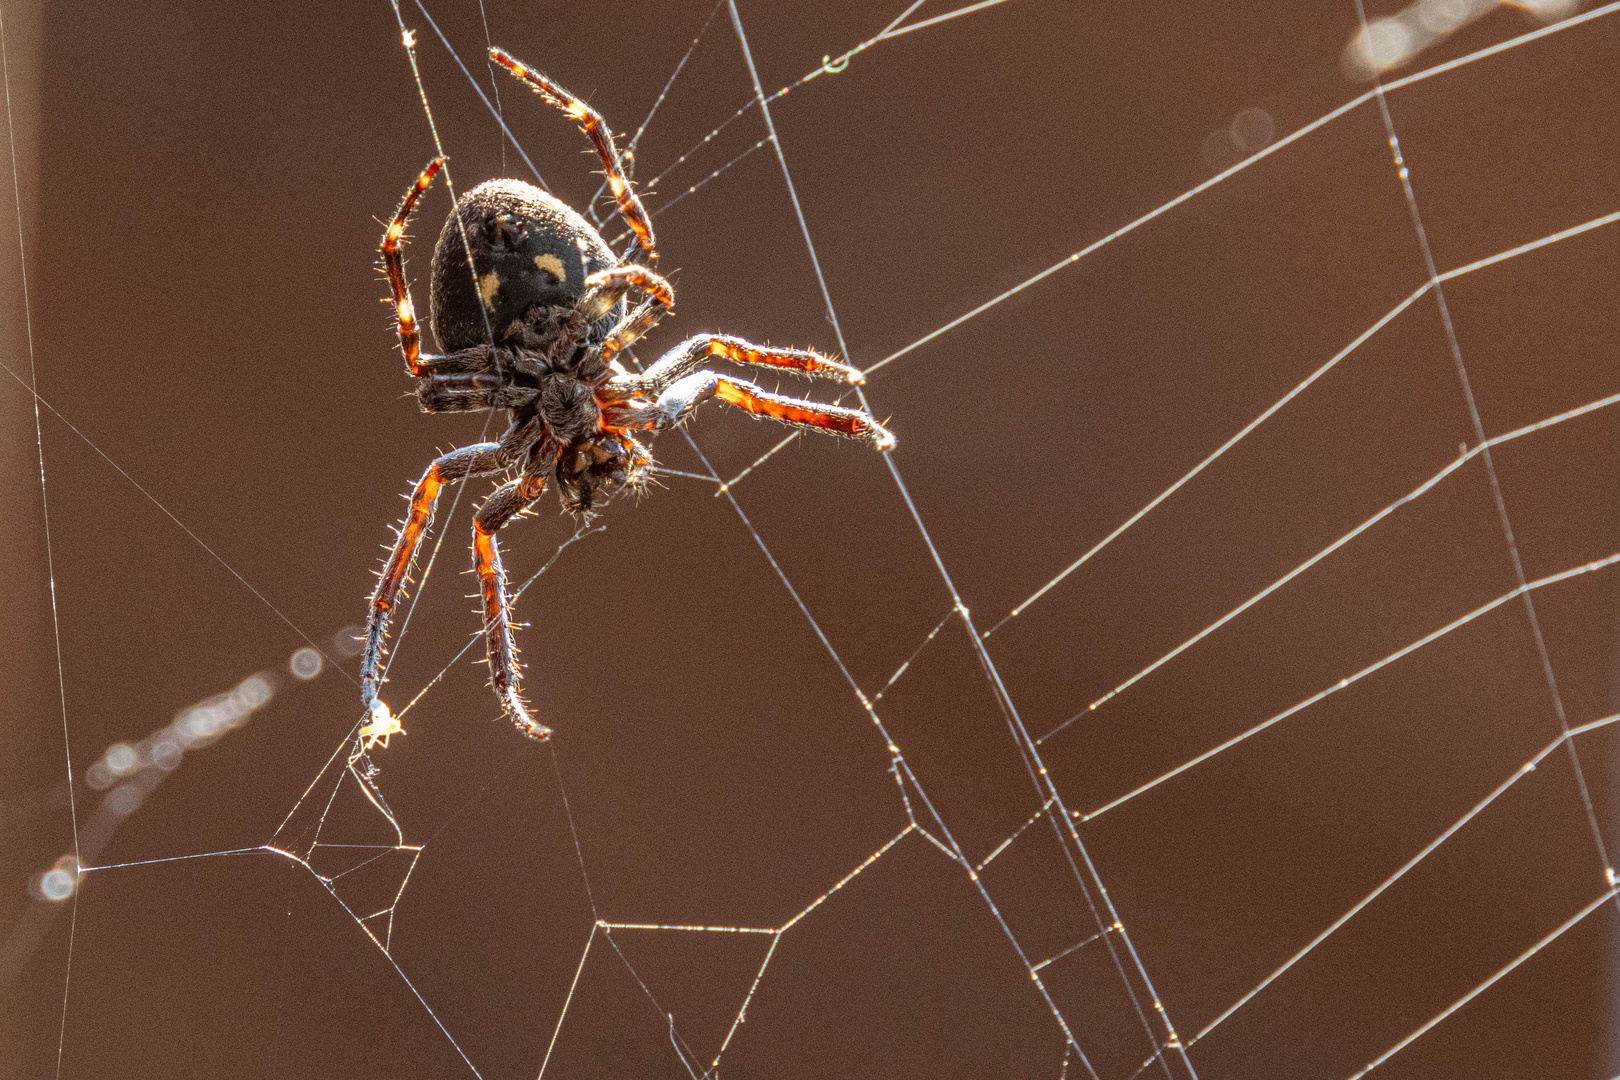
[410, 337]
[677, 402]
[686, 358]
[595, 128]
[606, 288]
[471, 393]
[473, 460]
[504, 670]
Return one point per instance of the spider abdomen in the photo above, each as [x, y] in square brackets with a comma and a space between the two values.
[531, 252]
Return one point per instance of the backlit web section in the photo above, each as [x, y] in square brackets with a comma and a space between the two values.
[1218, 680]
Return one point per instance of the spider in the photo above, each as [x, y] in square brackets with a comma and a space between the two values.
[535, 326]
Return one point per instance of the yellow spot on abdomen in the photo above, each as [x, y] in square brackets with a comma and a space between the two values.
[487, 285]
[553, 266]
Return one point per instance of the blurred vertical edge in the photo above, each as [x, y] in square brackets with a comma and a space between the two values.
[26, 659]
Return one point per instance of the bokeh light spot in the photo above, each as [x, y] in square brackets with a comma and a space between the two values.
[121, 759]
[1253, 129]
[306, 663]
[56, 885]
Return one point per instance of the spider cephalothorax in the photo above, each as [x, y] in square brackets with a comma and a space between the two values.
[534, 325]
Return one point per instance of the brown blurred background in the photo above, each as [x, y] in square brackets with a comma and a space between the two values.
[201, 185]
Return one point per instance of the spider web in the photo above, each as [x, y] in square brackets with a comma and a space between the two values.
[1218, 680]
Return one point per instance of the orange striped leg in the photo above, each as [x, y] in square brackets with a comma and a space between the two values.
[631, 328]
[621, 279]
[410, 338]
[504, 670]
[609, 285]
[676, 403]
[684, 358]
[601, 136]
[457, 464]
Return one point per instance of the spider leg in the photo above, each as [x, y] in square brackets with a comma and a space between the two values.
[472, 379]
[677, 402]
[631, 328]
[478, 360]
[504, 671]
[471, 392]
[685, 358]
[410, 338]
[608, 286]
[601, 136]
[456, 465]
[605, 287]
